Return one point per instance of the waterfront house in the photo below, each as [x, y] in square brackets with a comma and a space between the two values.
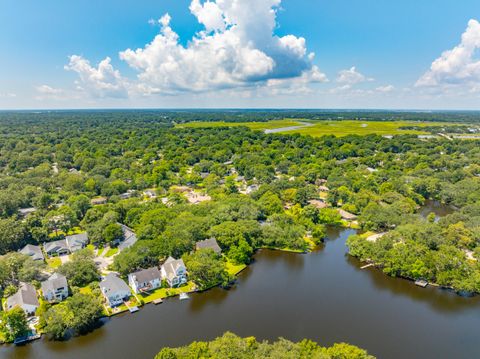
[115, 290]
[174, 272]
[210, 243]
[55, 288]
[145, 280]
[33, 251]
[129, 238]
[25, 298]
[56, 248]
[77, 241]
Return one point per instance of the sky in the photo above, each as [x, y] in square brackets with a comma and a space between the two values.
[372, 54]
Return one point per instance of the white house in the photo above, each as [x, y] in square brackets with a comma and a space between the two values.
[115, 290]
[25, 298]
[145, 280]
[174, 271]
[55, 288]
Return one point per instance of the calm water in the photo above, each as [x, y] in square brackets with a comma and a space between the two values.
[324, 296]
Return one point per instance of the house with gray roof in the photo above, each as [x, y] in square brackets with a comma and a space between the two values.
[77, 241]
[65, 246]
[33, 251]
[56, 248]
[210, 243]
[145, 280]
[129, 238]
[25, 298]
[55, 288]
[174, 272]
[115, 290]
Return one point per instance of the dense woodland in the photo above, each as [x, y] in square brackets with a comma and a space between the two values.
[232, 346]
[57, 163]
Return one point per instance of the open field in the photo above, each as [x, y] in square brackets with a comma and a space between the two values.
[260, 126]
[323, 128]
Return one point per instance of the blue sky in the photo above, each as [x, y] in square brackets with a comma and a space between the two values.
[368, 54]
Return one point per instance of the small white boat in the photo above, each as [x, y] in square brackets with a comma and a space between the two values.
[184, 296]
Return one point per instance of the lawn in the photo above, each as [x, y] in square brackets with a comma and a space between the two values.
[234, 269]
[323, 128]
[111, 252]
[167, 292]
[54, 262]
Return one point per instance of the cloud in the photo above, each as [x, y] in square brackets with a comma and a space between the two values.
[47, 90]
[385, 89]
[238, 48]
[7, 95]
[100, 81]
[352, 77]
[459, 66]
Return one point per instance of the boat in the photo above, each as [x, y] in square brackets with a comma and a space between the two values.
[184, 296]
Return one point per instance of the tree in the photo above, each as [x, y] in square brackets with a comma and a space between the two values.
[206, 268]
[81, 269]
[113, 232]
[14, 324]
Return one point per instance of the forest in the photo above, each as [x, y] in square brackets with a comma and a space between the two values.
[232, 346]
[66, 173]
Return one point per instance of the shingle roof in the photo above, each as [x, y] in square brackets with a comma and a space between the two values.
[147, 275]
[112, 283]
[26, 294]
[77, 241]
[171, 266]
[130, 238]
[62, 243]
[210, 243]
[53, 283]
[33, 251]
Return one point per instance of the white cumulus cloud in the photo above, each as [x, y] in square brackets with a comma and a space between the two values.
[459, 66]
[100, 81]
[351, 77]
[237, 48]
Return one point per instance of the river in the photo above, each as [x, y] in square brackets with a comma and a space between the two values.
[323, 295]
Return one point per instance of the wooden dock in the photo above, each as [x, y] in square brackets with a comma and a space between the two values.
[421, 283]
[367, 266]
[158, 301]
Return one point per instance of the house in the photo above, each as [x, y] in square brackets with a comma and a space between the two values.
[65, 246]
[25, 298]
[56, 248]
[318, 204]
[114, 289]
[174, 271]
[129, 238]
[33, 251]
[127, 194]
[145, 280]
[323, 189]
[55, 288]
[150, 193]
[23, 212]
[210, 243]
[77, 241]
[98, 201]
